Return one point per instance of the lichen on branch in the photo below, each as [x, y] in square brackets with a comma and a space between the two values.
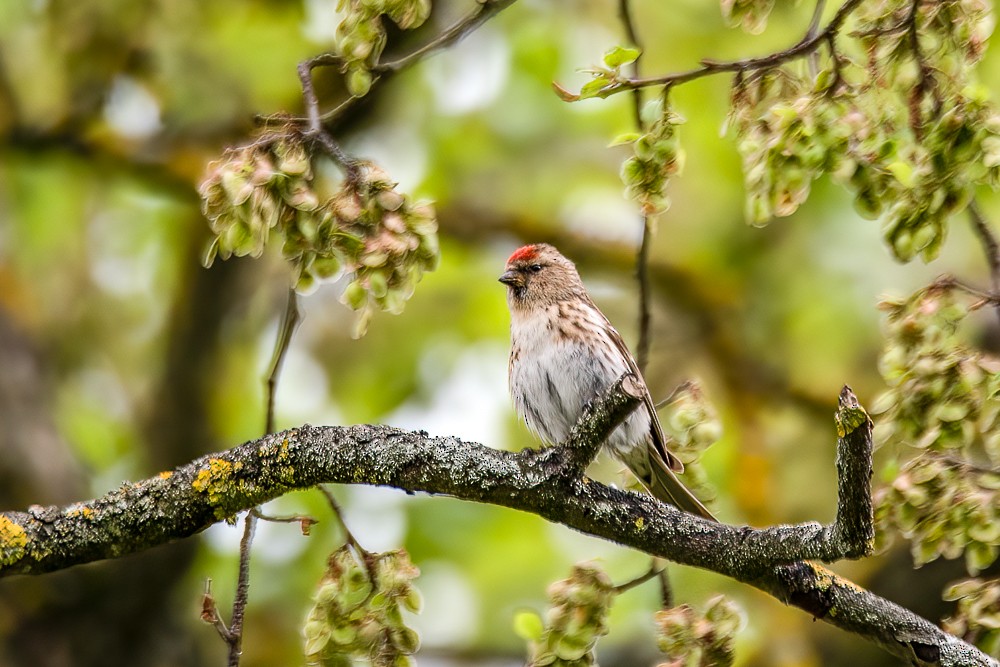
[546, 482]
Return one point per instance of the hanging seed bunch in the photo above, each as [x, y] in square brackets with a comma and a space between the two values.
[786, 141]
[901, 123]
[381, 237]
[691, 422]
[977, 617]
[361, 37]
[357, 611]
[916, 185]
[942, 409]
[750, 15]
[693, 639]
[574, 622]
[254, 190]
[943, 508]
[657, 156]
[942, 395]
[367, 229]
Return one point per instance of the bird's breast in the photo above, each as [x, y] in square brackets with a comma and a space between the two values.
[553, 375]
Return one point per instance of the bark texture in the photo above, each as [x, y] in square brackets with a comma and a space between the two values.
[547, 482]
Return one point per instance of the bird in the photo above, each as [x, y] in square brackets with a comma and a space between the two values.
[564, 354]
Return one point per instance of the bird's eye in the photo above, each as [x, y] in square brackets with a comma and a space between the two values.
[535, 268]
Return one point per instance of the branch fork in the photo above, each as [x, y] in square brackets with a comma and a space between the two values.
[182, 502]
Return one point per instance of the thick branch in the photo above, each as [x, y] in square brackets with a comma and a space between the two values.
[598, 420]
[854, 529]
[545, 482]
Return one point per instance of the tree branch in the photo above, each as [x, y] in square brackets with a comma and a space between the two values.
[854, 528]
[485, 10]
[990, 247]
[545, 482]
[808, 44]
[642, 254]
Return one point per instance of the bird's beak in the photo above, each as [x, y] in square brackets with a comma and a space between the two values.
[512, 278]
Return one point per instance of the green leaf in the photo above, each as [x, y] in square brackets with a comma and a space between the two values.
[621, 55]
[593, 88]
[625, 138]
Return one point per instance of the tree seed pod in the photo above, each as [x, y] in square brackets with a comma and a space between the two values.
[317, 636]
[299, 195]
[236, 186]
[359, 81]
[406, 640]
[343, 635]
[378, 285]
[374, 258]
[326, 268]
[390, 200]
[355, 295]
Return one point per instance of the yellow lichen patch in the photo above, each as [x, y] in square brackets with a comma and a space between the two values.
[640, 523]
[827, 579]
[276, 451]
[216, 481]
[166, 474]
[13, 541]
[80, 511]
[849, 419]
[283, 452]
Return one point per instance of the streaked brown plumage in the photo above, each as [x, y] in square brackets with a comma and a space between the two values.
[564, 354]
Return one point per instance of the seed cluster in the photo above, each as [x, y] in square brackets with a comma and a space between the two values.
[693, 639]
[577, 618]
[357, 610]
[367, 229]
[942, 412]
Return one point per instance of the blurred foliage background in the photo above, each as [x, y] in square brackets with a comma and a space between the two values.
[122, 356]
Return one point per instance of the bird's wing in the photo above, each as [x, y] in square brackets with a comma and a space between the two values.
[659, 446]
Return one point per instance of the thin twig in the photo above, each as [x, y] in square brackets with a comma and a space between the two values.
[811, 33]
[289, 321]
[962, 464]
[210, 613]
[951, 282]
[666, 590]
[315, 129]
[683, 386]
[802, 48]
[337, 512]
[349, 164]
[926, 81]
[305, 522]
[642, 277]
[642, 255]
[485, 10]
[242, 592]
[991, 248]
[654, 570]
[625, 16]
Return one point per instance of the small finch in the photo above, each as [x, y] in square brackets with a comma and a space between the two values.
[564, 354]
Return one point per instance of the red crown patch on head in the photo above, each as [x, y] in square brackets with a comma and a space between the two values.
[523, 254]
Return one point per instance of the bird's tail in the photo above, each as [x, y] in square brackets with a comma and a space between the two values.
[664, 485]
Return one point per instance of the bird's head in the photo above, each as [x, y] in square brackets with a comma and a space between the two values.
[537, 275]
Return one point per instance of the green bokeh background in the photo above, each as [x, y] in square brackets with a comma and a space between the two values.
[121, 356]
